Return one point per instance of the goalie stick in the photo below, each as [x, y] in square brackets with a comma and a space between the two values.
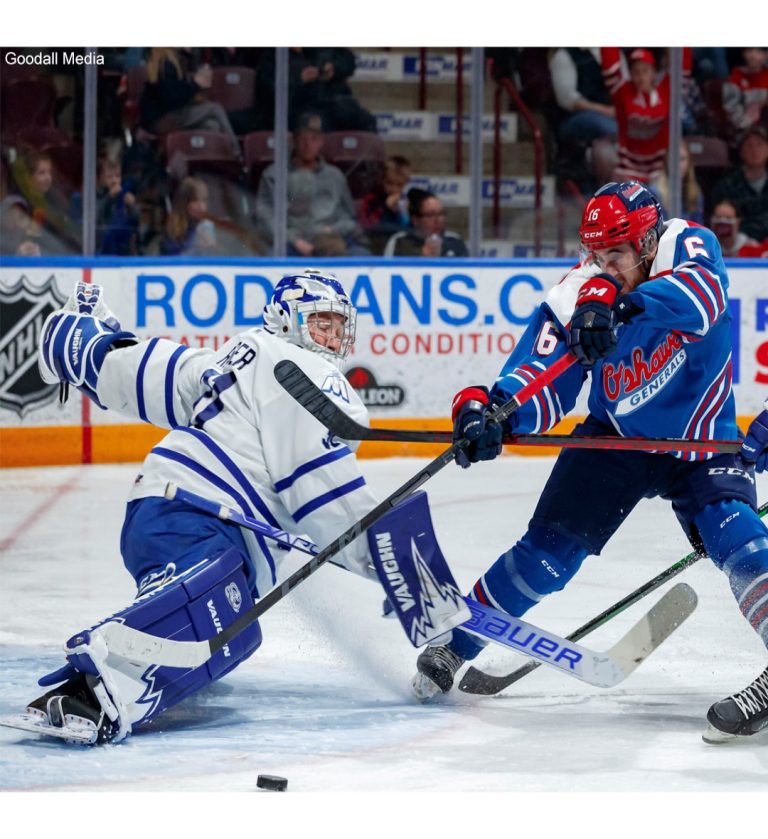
[333, 417]
[602, 669]
[478, 682]
[140, 646]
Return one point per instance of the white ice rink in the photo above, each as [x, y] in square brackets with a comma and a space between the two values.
[326, 701]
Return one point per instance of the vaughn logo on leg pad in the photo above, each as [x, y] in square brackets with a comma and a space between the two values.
[415, 576]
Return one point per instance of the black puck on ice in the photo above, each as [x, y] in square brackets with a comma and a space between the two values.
[273, 782]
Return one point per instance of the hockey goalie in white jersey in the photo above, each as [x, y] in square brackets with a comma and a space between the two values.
[237, 438]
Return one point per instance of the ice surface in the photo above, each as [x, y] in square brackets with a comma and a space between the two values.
[326, 701]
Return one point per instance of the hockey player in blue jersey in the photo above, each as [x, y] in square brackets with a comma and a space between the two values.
[238, 439]
[646, 315]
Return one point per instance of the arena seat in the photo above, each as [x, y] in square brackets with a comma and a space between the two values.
[188, 152]
[233, 87]
[361, 155]
[259, 152]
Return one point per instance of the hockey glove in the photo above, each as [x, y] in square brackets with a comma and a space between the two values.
[592, 333]
[754, 449]
[470, 421]
[73, 347]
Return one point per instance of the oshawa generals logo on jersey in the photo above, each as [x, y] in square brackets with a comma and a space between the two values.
[633, 385]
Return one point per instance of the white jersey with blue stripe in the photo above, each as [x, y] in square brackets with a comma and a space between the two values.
[671, 372]
[238, 438]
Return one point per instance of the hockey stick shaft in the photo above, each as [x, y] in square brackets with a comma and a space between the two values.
[283, 538]
[370, 518]
[333, 417]
[127, 641]
[595, 668]
[476, 681]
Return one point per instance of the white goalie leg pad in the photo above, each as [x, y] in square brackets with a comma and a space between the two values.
[411, 567]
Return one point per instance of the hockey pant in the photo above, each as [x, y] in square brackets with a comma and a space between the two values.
[193, 606]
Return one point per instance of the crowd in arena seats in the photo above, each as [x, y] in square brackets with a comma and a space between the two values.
[186, 149]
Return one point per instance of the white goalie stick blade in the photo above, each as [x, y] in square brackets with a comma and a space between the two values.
[37, 723]
[134, 645]
[602, 669]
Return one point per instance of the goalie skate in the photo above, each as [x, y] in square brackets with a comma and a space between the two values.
[77, 729]
[70, 712]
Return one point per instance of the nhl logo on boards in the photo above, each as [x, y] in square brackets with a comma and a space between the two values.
[234, 598]
[371, 392]
[23, 310]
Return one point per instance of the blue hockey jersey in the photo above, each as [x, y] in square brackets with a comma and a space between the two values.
[671, 372]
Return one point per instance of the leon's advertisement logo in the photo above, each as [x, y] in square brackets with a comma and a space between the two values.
[371, 392]
[23, 310]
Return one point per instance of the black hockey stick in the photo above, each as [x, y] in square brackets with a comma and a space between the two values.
[131, 643]
[333, 417]
[476, 681]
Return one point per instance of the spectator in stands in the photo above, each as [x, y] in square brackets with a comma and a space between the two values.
[745, 92]
[384, 211]
[726, 224]
[586, 111]
[427, 235]
[318, 83]
[642, 112]
[321, 212]
[52, 229]
[173, 98]
[747, 184]
[709, 63]
[117, 216]
[19, 233]
[189, 229]
[692, 197]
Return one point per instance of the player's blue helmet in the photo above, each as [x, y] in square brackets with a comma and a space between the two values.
[299, 296]
[619, 213]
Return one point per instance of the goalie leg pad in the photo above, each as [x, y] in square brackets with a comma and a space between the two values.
[194, 606]
[413, 571]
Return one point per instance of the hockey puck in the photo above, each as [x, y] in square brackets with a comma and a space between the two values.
[272, 782]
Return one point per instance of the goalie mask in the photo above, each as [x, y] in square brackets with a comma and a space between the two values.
[312, 310]
[619, 213]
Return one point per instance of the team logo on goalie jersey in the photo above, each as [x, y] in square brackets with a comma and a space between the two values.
[23, 310]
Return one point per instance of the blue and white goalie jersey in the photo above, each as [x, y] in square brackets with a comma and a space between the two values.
[671, 372]
[240, 439]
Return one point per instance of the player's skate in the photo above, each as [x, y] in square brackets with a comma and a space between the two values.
[741, 714]
[69, 712]
[437, 666]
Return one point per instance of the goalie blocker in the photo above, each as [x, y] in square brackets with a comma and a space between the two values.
[411, 567]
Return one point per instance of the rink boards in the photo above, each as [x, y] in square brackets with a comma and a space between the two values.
[425, 329]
